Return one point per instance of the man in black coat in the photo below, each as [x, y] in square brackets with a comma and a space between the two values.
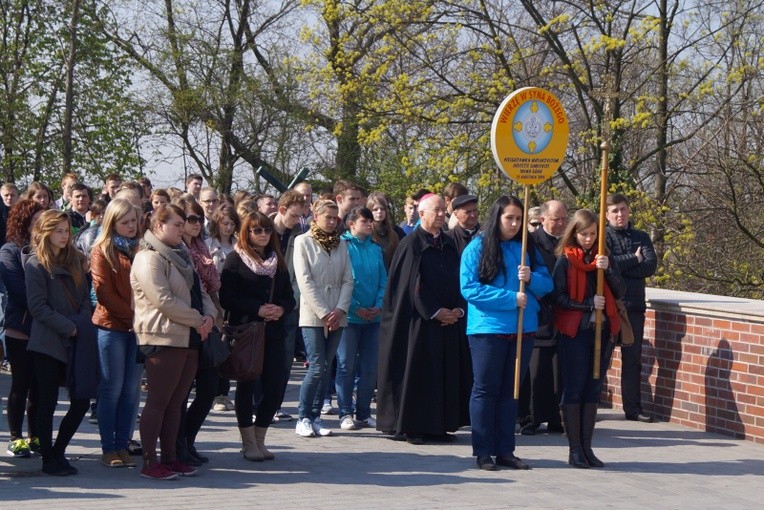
[633, 250]
[545, 382]
[425, 373]
[466, 213]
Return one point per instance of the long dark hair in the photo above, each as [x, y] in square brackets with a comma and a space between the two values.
[492, 258]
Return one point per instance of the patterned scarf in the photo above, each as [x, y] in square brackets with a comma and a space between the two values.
[268, 267]
[125, 245]
[204, 265]
[328, 240]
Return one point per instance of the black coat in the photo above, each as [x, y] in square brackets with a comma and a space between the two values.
[425, 372]
[242, 293]
[623, 244]
[545, 335]
[461, 236]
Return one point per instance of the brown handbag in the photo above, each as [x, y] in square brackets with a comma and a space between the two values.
[627, 332]
[247, 345]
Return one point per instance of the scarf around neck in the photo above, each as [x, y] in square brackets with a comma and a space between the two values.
[177, 257]
[125, 245]
[267, 267]
[328, 240]
[204, 265]
[577, 284]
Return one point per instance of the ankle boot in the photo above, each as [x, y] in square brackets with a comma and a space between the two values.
[588, 418]
[260, 442]
[571, 419]
[249, 444]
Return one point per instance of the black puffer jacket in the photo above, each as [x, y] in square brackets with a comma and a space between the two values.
[623, 244]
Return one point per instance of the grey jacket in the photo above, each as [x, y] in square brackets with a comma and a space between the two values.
[51, 306]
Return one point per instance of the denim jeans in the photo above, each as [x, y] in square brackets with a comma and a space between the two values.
[119, 389]
[359, 342]
[320, 351]
[576, 357]
[493, 409]
[290, 326]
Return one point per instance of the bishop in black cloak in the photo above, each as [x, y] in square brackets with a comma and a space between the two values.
[425, 373]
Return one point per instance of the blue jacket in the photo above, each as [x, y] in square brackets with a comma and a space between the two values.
[369, 276]
[492, 308]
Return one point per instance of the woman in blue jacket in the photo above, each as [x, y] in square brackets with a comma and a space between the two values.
[360, 339]
[490, 280]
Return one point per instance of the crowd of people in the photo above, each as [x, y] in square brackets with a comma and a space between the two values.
[424, 316]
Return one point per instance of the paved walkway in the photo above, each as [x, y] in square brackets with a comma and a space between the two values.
[648, 466]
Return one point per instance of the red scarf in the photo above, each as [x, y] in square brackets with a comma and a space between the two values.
[568, 321]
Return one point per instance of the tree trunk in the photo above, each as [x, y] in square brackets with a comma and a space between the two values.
[66, 133]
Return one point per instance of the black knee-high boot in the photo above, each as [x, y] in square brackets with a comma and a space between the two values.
[588, 418]
[571, 419]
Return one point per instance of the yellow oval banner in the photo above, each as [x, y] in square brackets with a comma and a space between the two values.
[529, 135]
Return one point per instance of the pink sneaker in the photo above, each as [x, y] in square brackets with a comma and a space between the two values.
[179, 468]
[158, 472]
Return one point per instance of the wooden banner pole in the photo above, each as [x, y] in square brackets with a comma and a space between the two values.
[520, 313]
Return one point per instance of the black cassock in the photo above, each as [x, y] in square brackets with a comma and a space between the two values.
[425, 371]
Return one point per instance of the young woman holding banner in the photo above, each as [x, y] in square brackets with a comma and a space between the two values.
[575, 283]
[490, 281]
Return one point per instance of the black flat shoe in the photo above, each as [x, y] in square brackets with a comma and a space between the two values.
[511, 461]
[415, 439]
[195, 454]
[640, 416]
[485, 462]
[443, 438]
[529, 429]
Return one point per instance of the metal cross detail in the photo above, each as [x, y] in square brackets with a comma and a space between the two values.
[608, 93]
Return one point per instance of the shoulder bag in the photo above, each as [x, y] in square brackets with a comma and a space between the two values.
[247, 346]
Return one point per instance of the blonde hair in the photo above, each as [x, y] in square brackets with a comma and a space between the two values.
[115, 211]
[68, 257]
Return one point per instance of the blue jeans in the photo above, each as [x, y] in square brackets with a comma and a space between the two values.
[119, 389]
[576, 356]
[493, 409]
[361, 340]
[320, 352]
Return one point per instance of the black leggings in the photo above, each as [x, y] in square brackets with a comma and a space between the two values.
[272, 384]
[192, 419]
[23, 394]
[48, 373]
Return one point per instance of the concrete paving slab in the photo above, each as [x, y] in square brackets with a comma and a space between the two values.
[657, 465]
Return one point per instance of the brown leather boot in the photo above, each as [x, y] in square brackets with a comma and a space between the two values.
[260, 442]
[249, 444]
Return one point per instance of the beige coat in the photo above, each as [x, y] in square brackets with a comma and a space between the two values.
[325, 280]
[163, 312]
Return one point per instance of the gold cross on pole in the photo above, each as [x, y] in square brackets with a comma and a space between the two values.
[608, 93]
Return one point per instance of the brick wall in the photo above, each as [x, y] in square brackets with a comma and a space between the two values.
[703, 363]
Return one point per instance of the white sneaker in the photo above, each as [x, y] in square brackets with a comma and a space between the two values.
[219, 404]
[328, 409]
[368, 422]
[319, 429]
[347, 423]
[304, 428]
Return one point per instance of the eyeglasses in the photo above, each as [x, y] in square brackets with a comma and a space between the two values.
[193, 219]
[260, 231]
[535, 224]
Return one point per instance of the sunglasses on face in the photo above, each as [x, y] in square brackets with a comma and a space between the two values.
[260, 230]
[193, 219]
[536, 224]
